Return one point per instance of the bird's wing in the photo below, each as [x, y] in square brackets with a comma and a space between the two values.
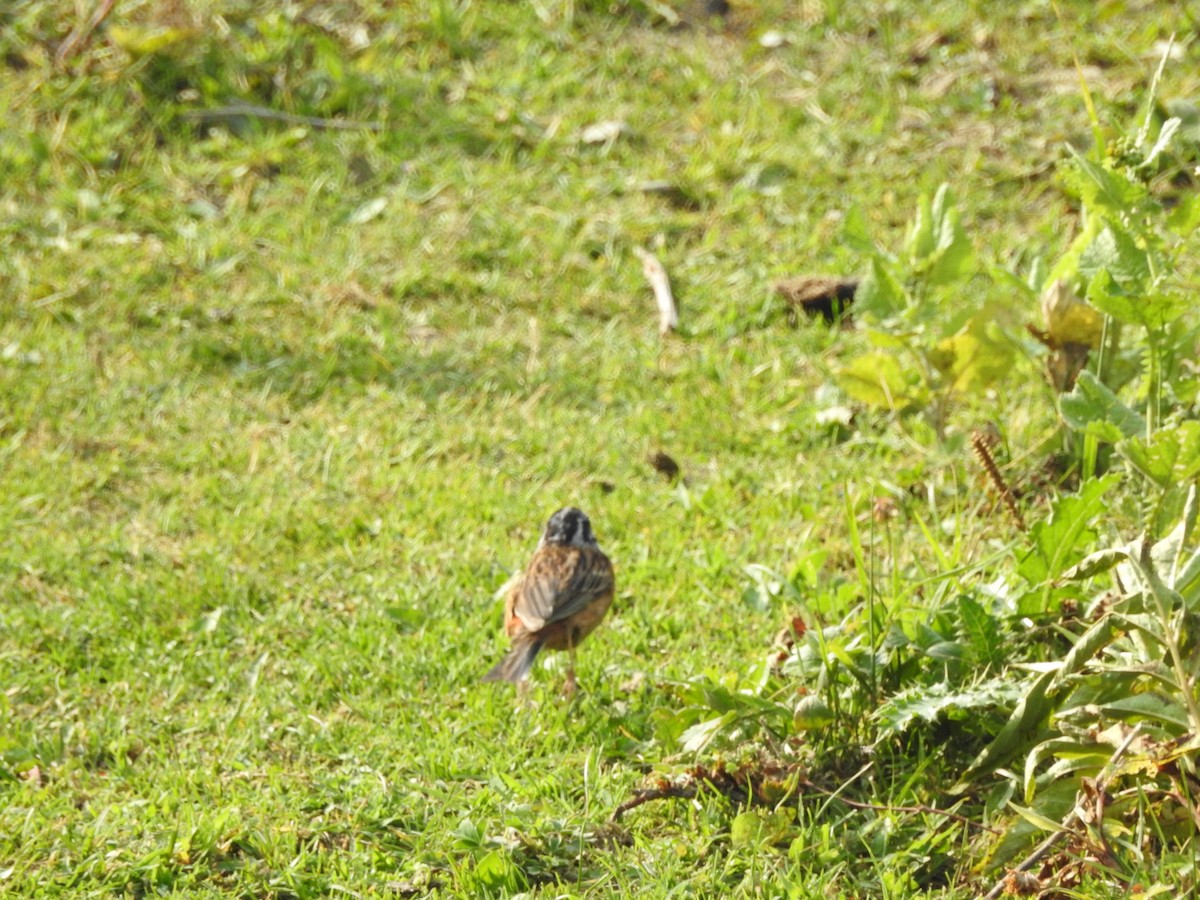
[559, 582]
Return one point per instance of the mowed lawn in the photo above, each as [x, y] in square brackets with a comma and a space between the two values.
[286, 400]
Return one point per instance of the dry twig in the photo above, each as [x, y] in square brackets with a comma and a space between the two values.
[1073, 818]
[668, 315]
[82, 33]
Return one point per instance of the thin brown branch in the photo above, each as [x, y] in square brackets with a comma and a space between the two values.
[1072, 819]
[82, 33]
[681, 791]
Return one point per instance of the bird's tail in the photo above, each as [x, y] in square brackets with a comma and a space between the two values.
[515, 667]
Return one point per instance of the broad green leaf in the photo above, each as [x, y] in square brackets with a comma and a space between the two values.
[1187, 581]
[929, 703]
[1095, 563]
[1084, 650]
[1152, 311]
[1052, 803]
[880, 294]
[757, 598]
[669, 724]
[955, 257]
[1115, 251]
[1191, 513]
[1149, 625]
[1006, 279]
[1067, 266]
[981, 631]
[938, 246]
[1100, 188]
[878, 380]
[977, 357]
[1184, 219]
[925, 637]
[947, 651]
[497, 872]
[1188, 113]
[1036, 819]
[698, 736]
[718, 698]
[1165, 135]
[1060, 539]
[1170, 457]
[1153, 707]
[1183, 571]
[921, 242]
[756, 827]
[893, 339]
[1167, 554]
[1092, 402]
[468, 834]
[1037, 279]
[1165, 596]
[1083, 756]
[811, 712]
[1102, 432]
[1021, 729]
[745, 828]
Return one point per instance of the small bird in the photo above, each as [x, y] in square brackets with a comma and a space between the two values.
[558, 600]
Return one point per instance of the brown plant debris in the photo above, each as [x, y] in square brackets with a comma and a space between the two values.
[81, 34]
[1072, 329]
[827, 296]
[664, 465]
[981, 444]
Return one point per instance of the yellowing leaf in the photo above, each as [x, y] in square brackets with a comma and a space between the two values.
[878, 380]
[976, 357]
[755, 828]
[1036, 819]
[139, 42]
[811, 712]
[1068, 319]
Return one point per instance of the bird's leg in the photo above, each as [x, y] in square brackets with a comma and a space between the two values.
[523, 695]
[572, 685]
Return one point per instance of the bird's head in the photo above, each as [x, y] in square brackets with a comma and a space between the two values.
[569, 527]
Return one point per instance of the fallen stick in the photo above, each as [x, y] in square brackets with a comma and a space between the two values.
[668, 315]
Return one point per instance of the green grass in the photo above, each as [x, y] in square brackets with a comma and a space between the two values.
[283, 407]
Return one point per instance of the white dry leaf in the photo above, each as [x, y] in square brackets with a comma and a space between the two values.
[368, 211]
[668, 315]
[604, 132]
[1169, 49]
[835, 415]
